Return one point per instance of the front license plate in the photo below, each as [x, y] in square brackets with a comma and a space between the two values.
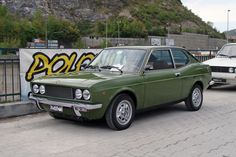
[56, 108]
[219, 80]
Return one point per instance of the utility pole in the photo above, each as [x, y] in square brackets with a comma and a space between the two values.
[46, 31]
[118, 33]
[106, 24]
[227, 33]
[106, 33]
[46, 24]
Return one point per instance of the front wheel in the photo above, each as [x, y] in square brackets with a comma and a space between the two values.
[195, 98]
[120, 113]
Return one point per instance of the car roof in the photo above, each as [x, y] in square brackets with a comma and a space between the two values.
[143, 47]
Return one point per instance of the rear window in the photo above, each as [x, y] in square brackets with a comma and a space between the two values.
[180, 58]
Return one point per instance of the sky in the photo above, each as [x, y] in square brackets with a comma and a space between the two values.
[214, 11]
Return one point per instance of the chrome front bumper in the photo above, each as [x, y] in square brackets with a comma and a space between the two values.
[224, 78]
[77, 107]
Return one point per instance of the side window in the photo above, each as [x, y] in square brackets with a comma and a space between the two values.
[160, 59]
[180, 58]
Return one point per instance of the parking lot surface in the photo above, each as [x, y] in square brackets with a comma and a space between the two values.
[170, 131]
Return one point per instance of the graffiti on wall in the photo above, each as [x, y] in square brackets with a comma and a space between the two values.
[59, 63]
[35, 63]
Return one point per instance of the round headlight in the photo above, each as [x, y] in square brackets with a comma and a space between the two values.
[231, 70]
[78, 94]
[86, 94]
[42, 89]
[35, 89]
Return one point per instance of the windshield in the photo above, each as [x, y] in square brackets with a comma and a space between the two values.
[228, 50]
[124, 60]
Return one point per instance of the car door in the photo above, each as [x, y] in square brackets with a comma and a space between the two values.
[162, 84]
[185, 70]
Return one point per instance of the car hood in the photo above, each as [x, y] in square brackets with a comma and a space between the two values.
[221, 61]
[78, 79]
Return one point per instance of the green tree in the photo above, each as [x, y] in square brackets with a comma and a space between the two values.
[62, 30]
[78, 44]
[10, 43]
[127, 28]
[9, 29]
[3, 11]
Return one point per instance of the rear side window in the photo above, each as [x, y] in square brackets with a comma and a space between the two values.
[160, 59]
[180, 58]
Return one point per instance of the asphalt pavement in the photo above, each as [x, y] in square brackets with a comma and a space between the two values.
[170, 131]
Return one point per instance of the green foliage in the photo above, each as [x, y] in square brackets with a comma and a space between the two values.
[147, 18]
[100, 28]
[158, 31]
[78, 44]
[158, 14]
[10, 43]
[3, 11]
[9, 29]
[103, 44]
[62, 30]
[85, 27]
[16, 32]
[122, 27]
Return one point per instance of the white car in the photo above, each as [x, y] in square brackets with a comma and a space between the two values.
[223, 66]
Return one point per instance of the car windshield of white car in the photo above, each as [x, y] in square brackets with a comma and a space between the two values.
[228, 51]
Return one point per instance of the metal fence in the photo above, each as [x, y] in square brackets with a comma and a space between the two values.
[9, 51]
[204, 58]
[9, 78]
[203, 55]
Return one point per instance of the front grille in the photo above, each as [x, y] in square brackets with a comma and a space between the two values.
[220, 69]
[58, 91]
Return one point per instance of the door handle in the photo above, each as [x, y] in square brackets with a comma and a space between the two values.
[177, 74]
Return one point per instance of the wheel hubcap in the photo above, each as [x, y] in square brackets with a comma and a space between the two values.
[196, 97]
[124, 112]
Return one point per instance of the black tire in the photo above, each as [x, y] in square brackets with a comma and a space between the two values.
[195, 98]
[125, 104]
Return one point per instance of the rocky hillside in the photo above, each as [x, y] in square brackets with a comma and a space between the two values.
[154, 17]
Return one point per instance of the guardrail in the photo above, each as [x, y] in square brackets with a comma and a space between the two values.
[9, 78]
[203, 55]
[204, 58]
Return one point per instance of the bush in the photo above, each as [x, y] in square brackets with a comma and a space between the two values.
[127, 28]
[16, 31]
[10, 43]
[78, 44]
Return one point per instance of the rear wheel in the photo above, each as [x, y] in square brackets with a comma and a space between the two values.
[120, 113]
[195, 98]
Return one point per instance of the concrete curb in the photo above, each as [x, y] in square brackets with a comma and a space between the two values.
[20, 108]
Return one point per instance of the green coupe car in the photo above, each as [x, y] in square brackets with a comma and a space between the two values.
[120, 81]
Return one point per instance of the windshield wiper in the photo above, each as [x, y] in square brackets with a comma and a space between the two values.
[96, 67]
[232, 56]
[223, 55]
[110, 67]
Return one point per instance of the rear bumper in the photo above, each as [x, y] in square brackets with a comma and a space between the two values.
[77, 107]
